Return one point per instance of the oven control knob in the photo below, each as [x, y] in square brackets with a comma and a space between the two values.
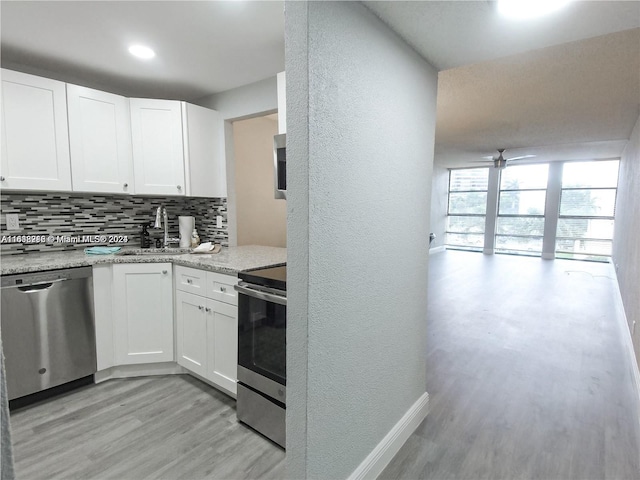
[223, 289]
[188, 280]
[200, 307]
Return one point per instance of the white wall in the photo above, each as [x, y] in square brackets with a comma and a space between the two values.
[248, 101]
[626, 241]
[360, 131]
[261, 219]
[439, 200]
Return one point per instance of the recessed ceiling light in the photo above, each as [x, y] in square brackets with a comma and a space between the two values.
[141, 51]
[529, 8]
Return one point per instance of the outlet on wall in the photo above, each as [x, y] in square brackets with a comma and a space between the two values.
[13, 222]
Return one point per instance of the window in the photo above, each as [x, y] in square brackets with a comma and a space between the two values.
[587, 208]
[520, 225]
[467, 208]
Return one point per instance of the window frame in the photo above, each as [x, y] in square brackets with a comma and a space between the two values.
[587, 254]
[475, 215]
[542, 215]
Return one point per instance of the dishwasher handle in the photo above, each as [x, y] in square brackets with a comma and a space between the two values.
[37, 287]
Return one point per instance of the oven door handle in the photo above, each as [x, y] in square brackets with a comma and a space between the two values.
[268, 297]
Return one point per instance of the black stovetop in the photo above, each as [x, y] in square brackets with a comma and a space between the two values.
[274, 277]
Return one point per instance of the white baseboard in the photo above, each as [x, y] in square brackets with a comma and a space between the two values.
[381, 456]
[211, 384]
[628, 340]
[142, 370]
[436, 249]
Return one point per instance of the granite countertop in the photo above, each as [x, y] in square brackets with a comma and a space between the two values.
[229, 260]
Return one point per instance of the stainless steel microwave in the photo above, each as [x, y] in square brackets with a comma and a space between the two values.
[280, 165]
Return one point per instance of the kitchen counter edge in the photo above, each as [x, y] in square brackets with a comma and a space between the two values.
[231, 260]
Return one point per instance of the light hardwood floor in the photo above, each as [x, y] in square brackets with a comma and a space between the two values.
[527, 374]
[170, 427]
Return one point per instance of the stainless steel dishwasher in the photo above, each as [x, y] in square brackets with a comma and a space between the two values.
[48, 331]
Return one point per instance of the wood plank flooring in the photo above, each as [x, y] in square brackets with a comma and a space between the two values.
[169, 427]
[527, 374]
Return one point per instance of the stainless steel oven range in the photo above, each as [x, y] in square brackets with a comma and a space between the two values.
[262, 351]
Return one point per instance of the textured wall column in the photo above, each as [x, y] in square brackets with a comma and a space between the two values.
[360, 138]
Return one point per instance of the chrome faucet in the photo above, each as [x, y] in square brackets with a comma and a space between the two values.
[162, 217]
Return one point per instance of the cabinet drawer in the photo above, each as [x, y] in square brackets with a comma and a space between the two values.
[220, 287]
[190, 280]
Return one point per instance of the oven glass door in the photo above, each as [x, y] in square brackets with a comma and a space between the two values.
[262, 340]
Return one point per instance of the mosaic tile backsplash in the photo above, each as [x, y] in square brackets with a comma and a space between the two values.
[69, 217]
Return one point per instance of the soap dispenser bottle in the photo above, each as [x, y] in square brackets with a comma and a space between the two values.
[145, 238]
[195, 238]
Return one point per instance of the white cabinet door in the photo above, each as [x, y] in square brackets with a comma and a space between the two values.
[158, 156]
[191, 332]
[100, 141]
[205, 164]
[222, 340]
[35, 139]
[143, 313]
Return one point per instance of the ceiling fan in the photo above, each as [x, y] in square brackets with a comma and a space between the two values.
[501, 162]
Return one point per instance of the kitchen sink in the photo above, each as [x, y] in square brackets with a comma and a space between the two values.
[154, 251]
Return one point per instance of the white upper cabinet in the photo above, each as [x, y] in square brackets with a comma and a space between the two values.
[204, 152]
[282, 102]
[158, 156]
[100, 141]
[35, 142]
[64, 137]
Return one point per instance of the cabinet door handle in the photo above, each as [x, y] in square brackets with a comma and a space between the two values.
[1, 179]
[125, 185]
[207, 309]
[179, 187]
[164, 272]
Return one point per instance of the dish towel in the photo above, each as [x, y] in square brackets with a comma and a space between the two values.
[101, 250]
[6, 448]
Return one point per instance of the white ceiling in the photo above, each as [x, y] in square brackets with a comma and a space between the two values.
[202, 47]
[454, 33]
[574, 101]
[563, 87]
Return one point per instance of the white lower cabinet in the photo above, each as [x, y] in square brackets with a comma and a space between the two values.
[207, 328]
[191, 332]
[222, 343]
[142, 313]
[134, 314]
